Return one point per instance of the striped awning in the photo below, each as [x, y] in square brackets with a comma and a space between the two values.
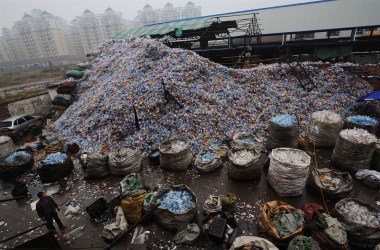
[164, 28]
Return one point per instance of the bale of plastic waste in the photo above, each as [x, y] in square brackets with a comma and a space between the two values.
[207, 162]
[375, 164]
[324, 128]
[280, 222]
[361, 221]
[16, 164]
[283, 132]
[97, 166]
[353, 150]
[334, 184]
[360, 121]
[246, 141]
[328, 232]
[244, 165]
[6, 146]
[288, 171]
[371, 178]
[124, 161]
[111, 231]
[252, 242]
[75, 74]
[187, 234]
[178, 205]
[175, 155]
[132, 205]
[54, 167]
[301, 242]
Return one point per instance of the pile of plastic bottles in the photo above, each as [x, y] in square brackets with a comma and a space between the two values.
[177, 93]
[285, 121]
[55, 158]
[17, 158]
[177, 201]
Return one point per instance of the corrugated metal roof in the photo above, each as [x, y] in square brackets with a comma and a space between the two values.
[164, 28]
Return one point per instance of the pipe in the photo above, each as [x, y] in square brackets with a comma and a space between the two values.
[24, 232]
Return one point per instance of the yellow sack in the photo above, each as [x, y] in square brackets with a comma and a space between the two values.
[266, 225]
[132, 207]
[53, 149]
[302, 144]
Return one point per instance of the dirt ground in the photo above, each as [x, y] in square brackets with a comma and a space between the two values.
[251, 196]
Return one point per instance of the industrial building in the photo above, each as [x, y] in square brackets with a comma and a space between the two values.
[313, 27]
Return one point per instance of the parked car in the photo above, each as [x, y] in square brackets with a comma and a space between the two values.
[18, 125]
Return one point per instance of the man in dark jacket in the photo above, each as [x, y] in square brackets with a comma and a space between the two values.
[46, 210]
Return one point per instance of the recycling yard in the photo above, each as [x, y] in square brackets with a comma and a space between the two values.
[195, 154]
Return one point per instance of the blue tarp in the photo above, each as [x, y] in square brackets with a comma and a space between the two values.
[370, 96]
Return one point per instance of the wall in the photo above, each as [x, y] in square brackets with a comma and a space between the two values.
[39, 105]
[4, 113]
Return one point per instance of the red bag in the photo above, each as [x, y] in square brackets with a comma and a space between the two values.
[310, 208]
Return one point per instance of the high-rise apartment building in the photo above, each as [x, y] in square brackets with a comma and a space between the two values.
[149, 15]
[90, 29]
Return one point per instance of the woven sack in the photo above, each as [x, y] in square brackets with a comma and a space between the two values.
[288, 177]
[168, 219]
[54, 172]
[175, 155]
[124, 161]
[359, 234]
[282, 137]
[244, 165]
[351, 156]
[324, 128]
[268, 228]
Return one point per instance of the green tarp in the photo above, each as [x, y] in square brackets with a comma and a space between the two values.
[164, 28]
[324, 53]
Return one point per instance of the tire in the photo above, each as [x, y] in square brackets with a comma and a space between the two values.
[20, 133]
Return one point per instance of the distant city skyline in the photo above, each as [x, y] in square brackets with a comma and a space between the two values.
[12, 11]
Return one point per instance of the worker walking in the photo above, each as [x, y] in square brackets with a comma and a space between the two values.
[47, 211]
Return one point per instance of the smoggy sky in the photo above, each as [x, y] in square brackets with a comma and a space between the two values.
[13, 10]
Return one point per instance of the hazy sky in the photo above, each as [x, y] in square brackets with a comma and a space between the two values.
[13, 10]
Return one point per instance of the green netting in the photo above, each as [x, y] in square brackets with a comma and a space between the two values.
[164, 28]
[326, 52]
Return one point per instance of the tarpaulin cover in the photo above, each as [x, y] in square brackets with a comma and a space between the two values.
[324, 53]
[164, 28]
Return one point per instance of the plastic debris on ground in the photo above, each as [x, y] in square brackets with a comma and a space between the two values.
[243, 157]
[4, 138]
[55, 158]
[291, 157]
[176, 201]
[360, 214]
[327, 116]
[358, 136]
[136, 72]
[286, 121]
[17, 158]
[362, 120]
[361, 174]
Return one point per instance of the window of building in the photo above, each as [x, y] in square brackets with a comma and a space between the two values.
[304, 36]
[333, 33]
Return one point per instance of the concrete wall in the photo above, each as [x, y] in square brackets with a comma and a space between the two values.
[39, 105]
